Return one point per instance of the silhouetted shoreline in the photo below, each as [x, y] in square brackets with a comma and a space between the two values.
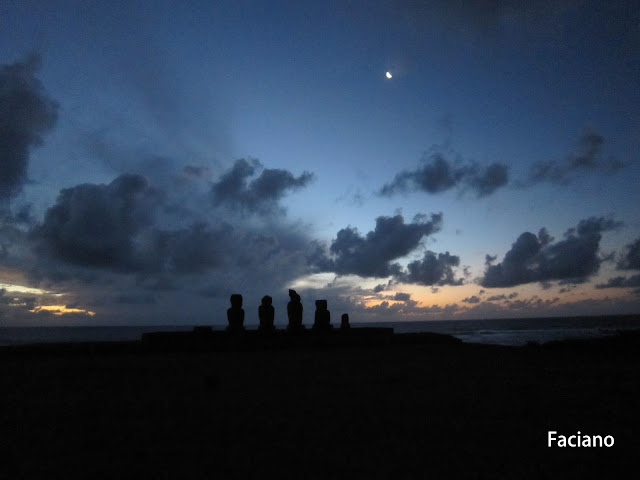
[205, 339]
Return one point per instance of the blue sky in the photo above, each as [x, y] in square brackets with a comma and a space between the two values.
[159, 157]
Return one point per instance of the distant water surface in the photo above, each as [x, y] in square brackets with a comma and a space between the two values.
[498, 331]
[520, 331]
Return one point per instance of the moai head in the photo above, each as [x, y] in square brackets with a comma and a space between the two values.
[236, 300]
[266, 300]
[294, 296]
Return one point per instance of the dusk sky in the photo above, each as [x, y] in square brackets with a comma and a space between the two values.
[156, 158]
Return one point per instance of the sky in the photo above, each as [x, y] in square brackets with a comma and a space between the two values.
[156, 157]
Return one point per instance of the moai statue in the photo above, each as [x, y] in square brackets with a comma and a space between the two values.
[323, 316]
[344, 322]
[294, 311]
[235, 314]
[266, 314]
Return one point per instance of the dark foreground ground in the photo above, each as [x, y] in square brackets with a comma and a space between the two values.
[390, 411]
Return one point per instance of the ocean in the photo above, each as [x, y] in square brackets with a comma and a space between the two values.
[497, 331]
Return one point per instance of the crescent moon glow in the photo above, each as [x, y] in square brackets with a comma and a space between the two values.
[388, 75]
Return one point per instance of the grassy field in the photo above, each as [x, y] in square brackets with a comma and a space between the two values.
[394, 411]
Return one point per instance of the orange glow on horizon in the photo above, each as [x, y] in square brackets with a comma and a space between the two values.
[59, 310]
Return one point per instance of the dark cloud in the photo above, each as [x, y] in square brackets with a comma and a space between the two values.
[433, 269]
[384, 286]
[94, 225]
[26, 114]
[12, 227]
[195, 249]
[260, 195]
[533, 303]
[402, 297]
[436, 176]
[587, 158]
[487, 180]
[631, 259]
[121, 237]
[114, 227]
[14, 305]
[406, 305]
[621, 282]
[472, 299]
[439, 174]
[372, 255]
[496, 298]
[536, 259]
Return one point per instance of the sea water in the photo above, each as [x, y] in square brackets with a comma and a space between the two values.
[498, 331]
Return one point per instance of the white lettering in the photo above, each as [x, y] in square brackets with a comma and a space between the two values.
[578, 440]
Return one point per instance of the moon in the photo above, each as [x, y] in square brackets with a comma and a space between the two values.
[388, 75]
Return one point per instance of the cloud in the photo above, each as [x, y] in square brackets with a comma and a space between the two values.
[372, 255]
[164, 264]
[496, 298]
[26, 114]
[263, 193]
[487, 180]
[537, 259]
[472, 299]
[631, 259]
[433, 269]
[439, 174]
[95, 225]
[436, 176]
[621, 282]
[587, 158]
[405, 298]
[115, 227]
[402, 297]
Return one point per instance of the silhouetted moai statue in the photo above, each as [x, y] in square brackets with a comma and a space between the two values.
[266, 313]
[235, 314]
[322, 319]
[344, 322]
[294, 311]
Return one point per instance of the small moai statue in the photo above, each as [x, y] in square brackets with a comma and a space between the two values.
[322, 319]
[344, 322]
[294, 311]
[235, 314]
[266, 314]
